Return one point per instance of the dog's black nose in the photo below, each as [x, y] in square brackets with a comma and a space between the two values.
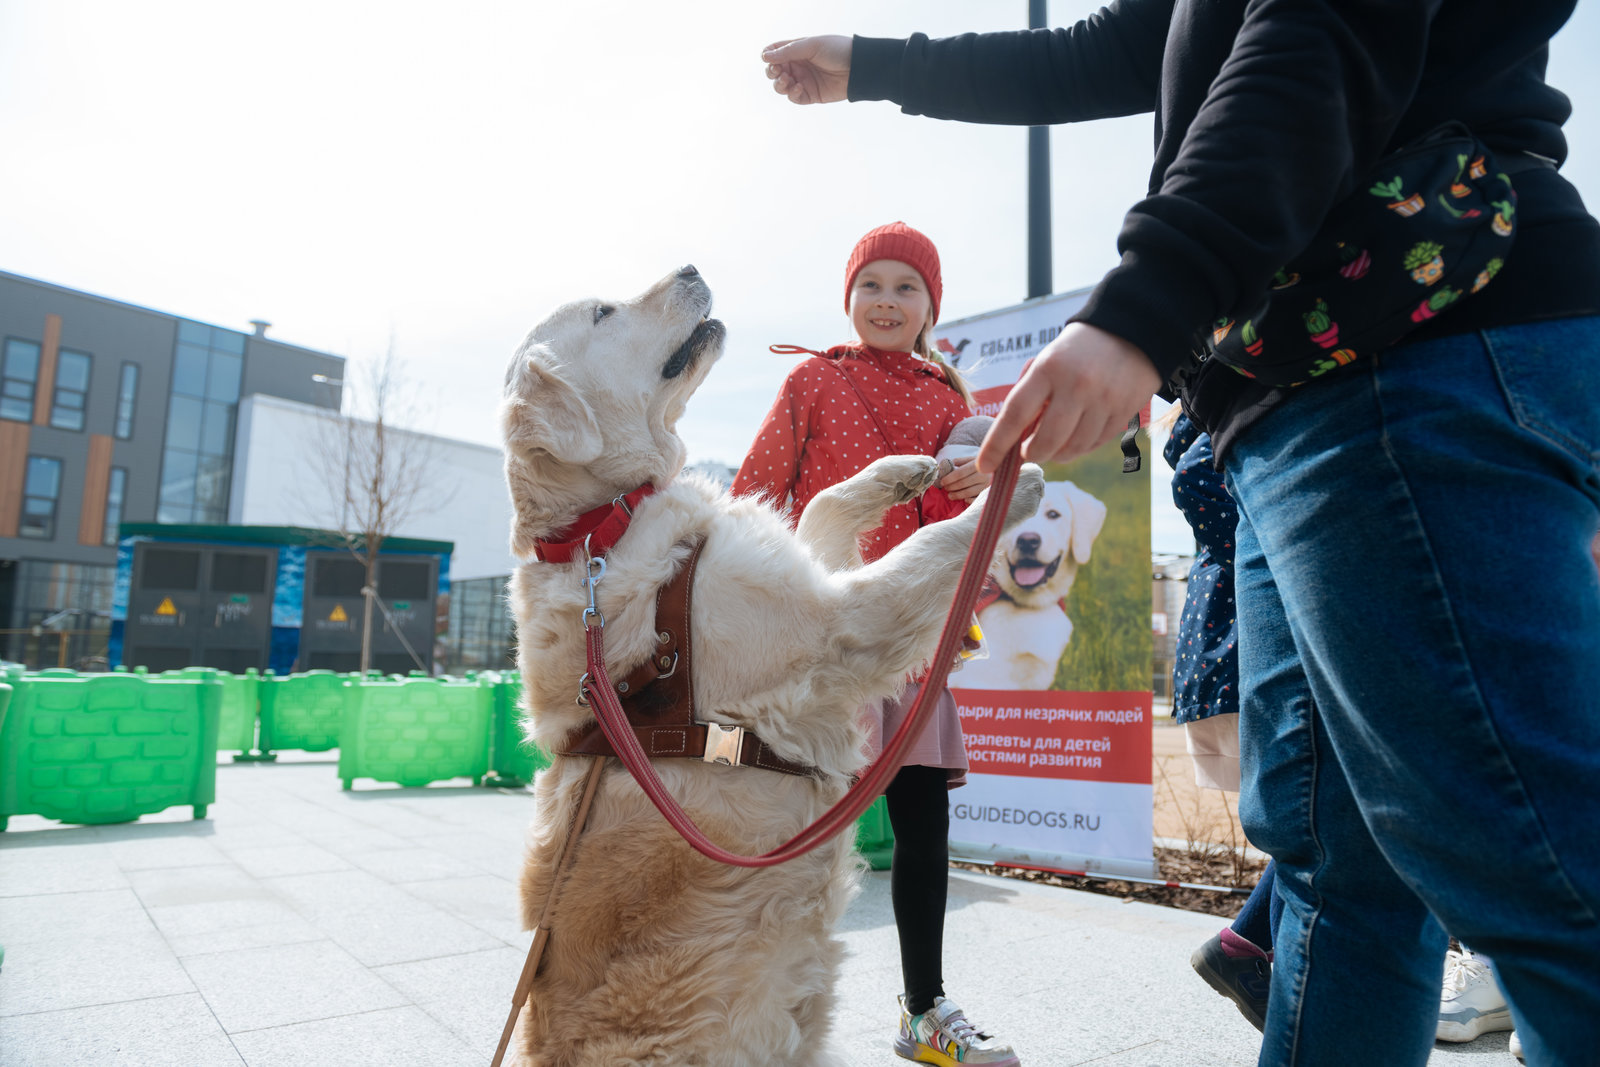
[687, 271]
[1029, 543]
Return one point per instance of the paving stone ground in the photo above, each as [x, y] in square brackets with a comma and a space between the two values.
[300, 925]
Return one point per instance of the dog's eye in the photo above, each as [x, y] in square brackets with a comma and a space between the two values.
[601, 311]
[1052, 514]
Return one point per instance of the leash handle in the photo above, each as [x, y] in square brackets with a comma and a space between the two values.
[614, 723]
[541, 932]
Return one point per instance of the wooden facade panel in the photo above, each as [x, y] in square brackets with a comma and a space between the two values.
[96, 480]
[13, 472]
[44, 396]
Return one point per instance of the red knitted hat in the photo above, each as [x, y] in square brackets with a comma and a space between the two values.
[897, 241]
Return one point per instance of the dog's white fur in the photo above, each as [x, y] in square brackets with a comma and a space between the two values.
[658, 955]
[1026, 629]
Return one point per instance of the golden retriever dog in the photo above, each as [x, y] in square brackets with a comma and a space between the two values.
[1027, 629]
[658, 955]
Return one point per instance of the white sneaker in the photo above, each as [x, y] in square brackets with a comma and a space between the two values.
[1471, 1002]
[1515, 1047]
[945, 1037]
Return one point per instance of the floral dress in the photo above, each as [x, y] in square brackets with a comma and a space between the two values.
[1205, 676]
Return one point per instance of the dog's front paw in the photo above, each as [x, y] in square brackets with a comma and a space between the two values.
[1029, 491]
[1024, 498]
[902, 477]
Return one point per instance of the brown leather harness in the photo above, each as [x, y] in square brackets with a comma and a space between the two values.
[658, 698]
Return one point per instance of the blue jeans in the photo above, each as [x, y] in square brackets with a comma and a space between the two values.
[1419, 652]
[1259, 916]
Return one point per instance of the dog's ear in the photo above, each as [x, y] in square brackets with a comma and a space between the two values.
[543, 411]
[1088, 516]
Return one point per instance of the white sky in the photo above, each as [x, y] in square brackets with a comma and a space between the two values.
[444, 174]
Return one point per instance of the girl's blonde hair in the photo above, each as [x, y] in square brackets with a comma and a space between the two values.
[924, 347]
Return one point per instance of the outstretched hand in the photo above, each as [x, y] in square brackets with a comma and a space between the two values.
[964, 480]
[810, 70]
[1081, 390]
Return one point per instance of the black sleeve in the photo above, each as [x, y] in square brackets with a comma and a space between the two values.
[1269, 110]
[1306, 99]
[1107, 65]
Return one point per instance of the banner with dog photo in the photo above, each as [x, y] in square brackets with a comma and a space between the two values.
[1057, 718]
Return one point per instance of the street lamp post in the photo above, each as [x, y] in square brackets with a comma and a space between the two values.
[1039, 254]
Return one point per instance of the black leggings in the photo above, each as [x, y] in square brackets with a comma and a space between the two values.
[919, 815]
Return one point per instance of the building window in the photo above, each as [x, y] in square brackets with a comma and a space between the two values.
[126, 391]
[70, 603]
[17, 379]
[40, 491]
[482, 634]
[197, 462]
[116, 493]
[72, 390]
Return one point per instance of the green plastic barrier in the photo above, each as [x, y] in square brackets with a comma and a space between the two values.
[513, 760]
[302, 711]
[5, 699]
[241, 706]
[874, 838]
[107, 748]
[414, 731]
[240, 694]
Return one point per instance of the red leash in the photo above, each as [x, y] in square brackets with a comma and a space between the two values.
[614, 722]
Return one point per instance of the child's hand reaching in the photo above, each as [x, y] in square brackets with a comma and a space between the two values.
[965, 481]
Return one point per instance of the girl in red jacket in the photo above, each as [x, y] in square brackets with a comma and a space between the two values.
[886, 394]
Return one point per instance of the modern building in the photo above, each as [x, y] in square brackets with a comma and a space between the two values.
[451, 491]
[113, 413]
[292, 461]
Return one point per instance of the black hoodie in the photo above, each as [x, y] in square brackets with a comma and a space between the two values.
[1266, 114]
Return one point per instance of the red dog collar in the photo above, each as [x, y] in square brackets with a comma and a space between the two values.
[595, 531]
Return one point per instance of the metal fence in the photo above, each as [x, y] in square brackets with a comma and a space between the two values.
[37, 648]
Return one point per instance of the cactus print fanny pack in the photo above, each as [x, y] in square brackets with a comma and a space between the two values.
[1430, 226]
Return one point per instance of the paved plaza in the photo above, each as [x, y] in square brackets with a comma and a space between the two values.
[299, 925]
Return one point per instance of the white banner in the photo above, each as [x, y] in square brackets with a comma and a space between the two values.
[1057, 719]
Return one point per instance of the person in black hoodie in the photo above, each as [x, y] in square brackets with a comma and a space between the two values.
[1414, 529]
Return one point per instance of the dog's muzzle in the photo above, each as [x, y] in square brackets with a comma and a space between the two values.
[709, 332]
[1031, 573]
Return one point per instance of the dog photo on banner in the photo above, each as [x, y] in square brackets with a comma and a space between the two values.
[1057, 716]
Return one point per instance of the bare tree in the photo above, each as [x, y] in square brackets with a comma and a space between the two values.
[375, 471]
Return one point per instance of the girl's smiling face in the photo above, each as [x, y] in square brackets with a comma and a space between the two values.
[889, 305]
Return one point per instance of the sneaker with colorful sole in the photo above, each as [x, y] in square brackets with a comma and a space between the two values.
[943, 1035]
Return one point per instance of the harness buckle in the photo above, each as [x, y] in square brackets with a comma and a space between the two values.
[723, 744]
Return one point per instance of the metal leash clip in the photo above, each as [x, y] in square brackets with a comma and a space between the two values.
[595, 570]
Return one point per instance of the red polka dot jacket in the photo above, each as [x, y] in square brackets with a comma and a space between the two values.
[819, 430]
